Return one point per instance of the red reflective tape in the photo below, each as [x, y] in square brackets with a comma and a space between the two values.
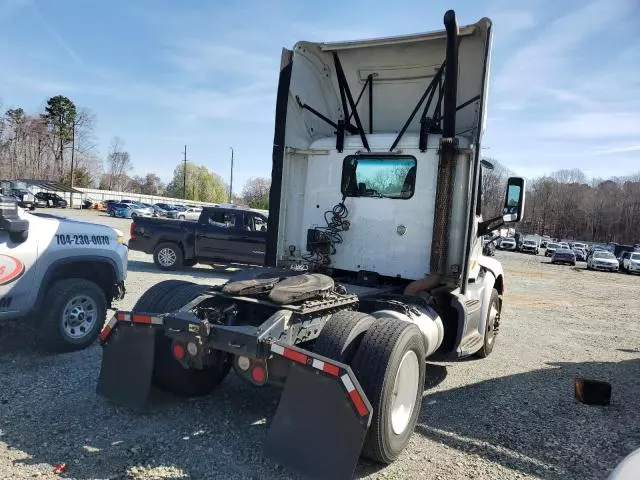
[331, 369]
[358, 402]
[120, 316]
[135, 318]
[295, 356]
[105, 333]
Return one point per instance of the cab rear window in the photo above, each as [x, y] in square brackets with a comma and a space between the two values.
[382, 176]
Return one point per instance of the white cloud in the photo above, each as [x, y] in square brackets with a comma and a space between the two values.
[610, 151]
[56, 36]
[538, 65]
[592, 125]
[202, 58]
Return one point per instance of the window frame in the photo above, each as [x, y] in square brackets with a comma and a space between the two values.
[377, 157]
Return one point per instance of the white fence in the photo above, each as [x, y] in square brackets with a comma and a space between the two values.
[102, 195]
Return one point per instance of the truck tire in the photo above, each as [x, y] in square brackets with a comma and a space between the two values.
[168, 256]
[74, 313]
[168, 373]
[154, 299]
[493, 320]
[342, 334]
[390, 366]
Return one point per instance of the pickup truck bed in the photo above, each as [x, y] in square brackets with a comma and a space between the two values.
[225, 235]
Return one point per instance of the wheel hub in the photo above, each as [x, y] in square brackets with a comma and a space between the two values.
[166, 257]
[405, 390]
[79, 316]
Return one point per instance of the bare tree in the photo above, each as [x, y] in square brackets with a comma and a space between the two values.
[256, 192]
[118, 164]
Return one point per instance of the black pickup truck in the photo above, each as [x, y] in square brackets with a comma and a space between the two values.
[221, 235]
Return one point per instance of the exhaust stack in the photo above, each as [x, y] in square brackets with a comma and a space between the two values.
[448, 151]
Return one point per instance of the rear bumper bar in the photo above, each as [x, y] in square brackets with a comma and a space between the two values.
[323, 415]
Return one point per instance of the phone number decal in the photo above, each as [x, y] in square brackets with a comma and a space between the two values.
[82, 239]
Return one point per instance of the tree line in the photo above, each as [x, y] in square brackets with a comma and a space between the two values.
[566, 204]
[58, 144]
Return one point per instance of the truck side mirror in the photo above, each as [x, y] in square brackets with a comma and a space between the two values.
[514, 200]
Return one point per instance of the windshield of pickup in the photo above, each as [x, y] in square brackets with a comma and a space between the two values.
[552, 245]
[379, 176]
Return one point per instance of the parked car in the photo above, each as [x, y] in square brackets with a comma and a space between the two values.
[564, 245]
[508, 243]
[164, 206]
[619, 250]
[132, 210]
[581, 255]
[51, 200]
[601, 260]
[551, 247]
[630, 262]
[580, 245]
[158, 211]
[175, 211]
[529, 246]
[111, 207]
[26, 199]
[192, 213]
[563, 255]
[599, 246]
[220, 235]
[544, 240]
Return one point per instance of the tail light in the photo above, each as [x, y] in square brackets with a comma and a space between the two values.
[132, 230]
[178, 351]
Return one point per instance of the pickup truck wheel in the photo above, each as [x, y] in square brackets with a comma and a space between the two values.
[168, 373]
[491, 326]
[390, 366]
[74, 314]
[168, 256]
[342, 334]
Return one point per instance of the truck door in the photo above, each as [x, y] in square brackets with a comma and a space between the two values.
[17, 273]
[217, 236]
[253, 238]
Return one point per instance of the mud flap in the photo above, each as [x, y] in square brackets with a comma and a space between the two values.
[316, 429]
[127, 365]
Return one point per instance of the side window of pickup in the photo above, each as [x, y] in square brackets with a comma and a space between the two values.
[223, 220]
[254, 222]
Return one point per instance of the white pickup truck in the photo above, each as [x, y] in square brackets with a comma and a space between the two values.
[63, 274]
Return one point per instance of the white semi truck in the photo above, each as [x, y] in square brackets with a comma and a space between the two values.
[374, 259]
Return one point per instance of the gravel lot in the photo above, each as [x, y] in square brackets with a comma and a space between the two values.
[511, 415]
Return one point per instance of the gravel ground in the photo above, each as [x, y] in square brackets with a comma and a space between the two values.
[511, 415]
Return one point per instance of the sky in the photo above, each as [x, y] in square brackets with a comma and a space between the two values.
[564, 87]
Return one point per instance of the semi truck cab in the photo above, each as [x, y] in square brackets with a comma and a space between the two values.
[373, 256]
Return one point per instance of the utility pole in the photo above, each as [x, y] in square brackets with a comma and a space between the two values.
[184, 186]
[231, 181]
[73, 149]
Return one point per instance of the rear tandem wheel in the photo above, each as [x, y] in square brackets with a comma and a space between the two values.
[168, 373]
[390, 366]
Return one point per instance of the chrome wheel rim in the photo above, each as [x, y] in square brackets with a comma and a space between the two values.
[166, 257]
[405, 391]
[79, 316]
